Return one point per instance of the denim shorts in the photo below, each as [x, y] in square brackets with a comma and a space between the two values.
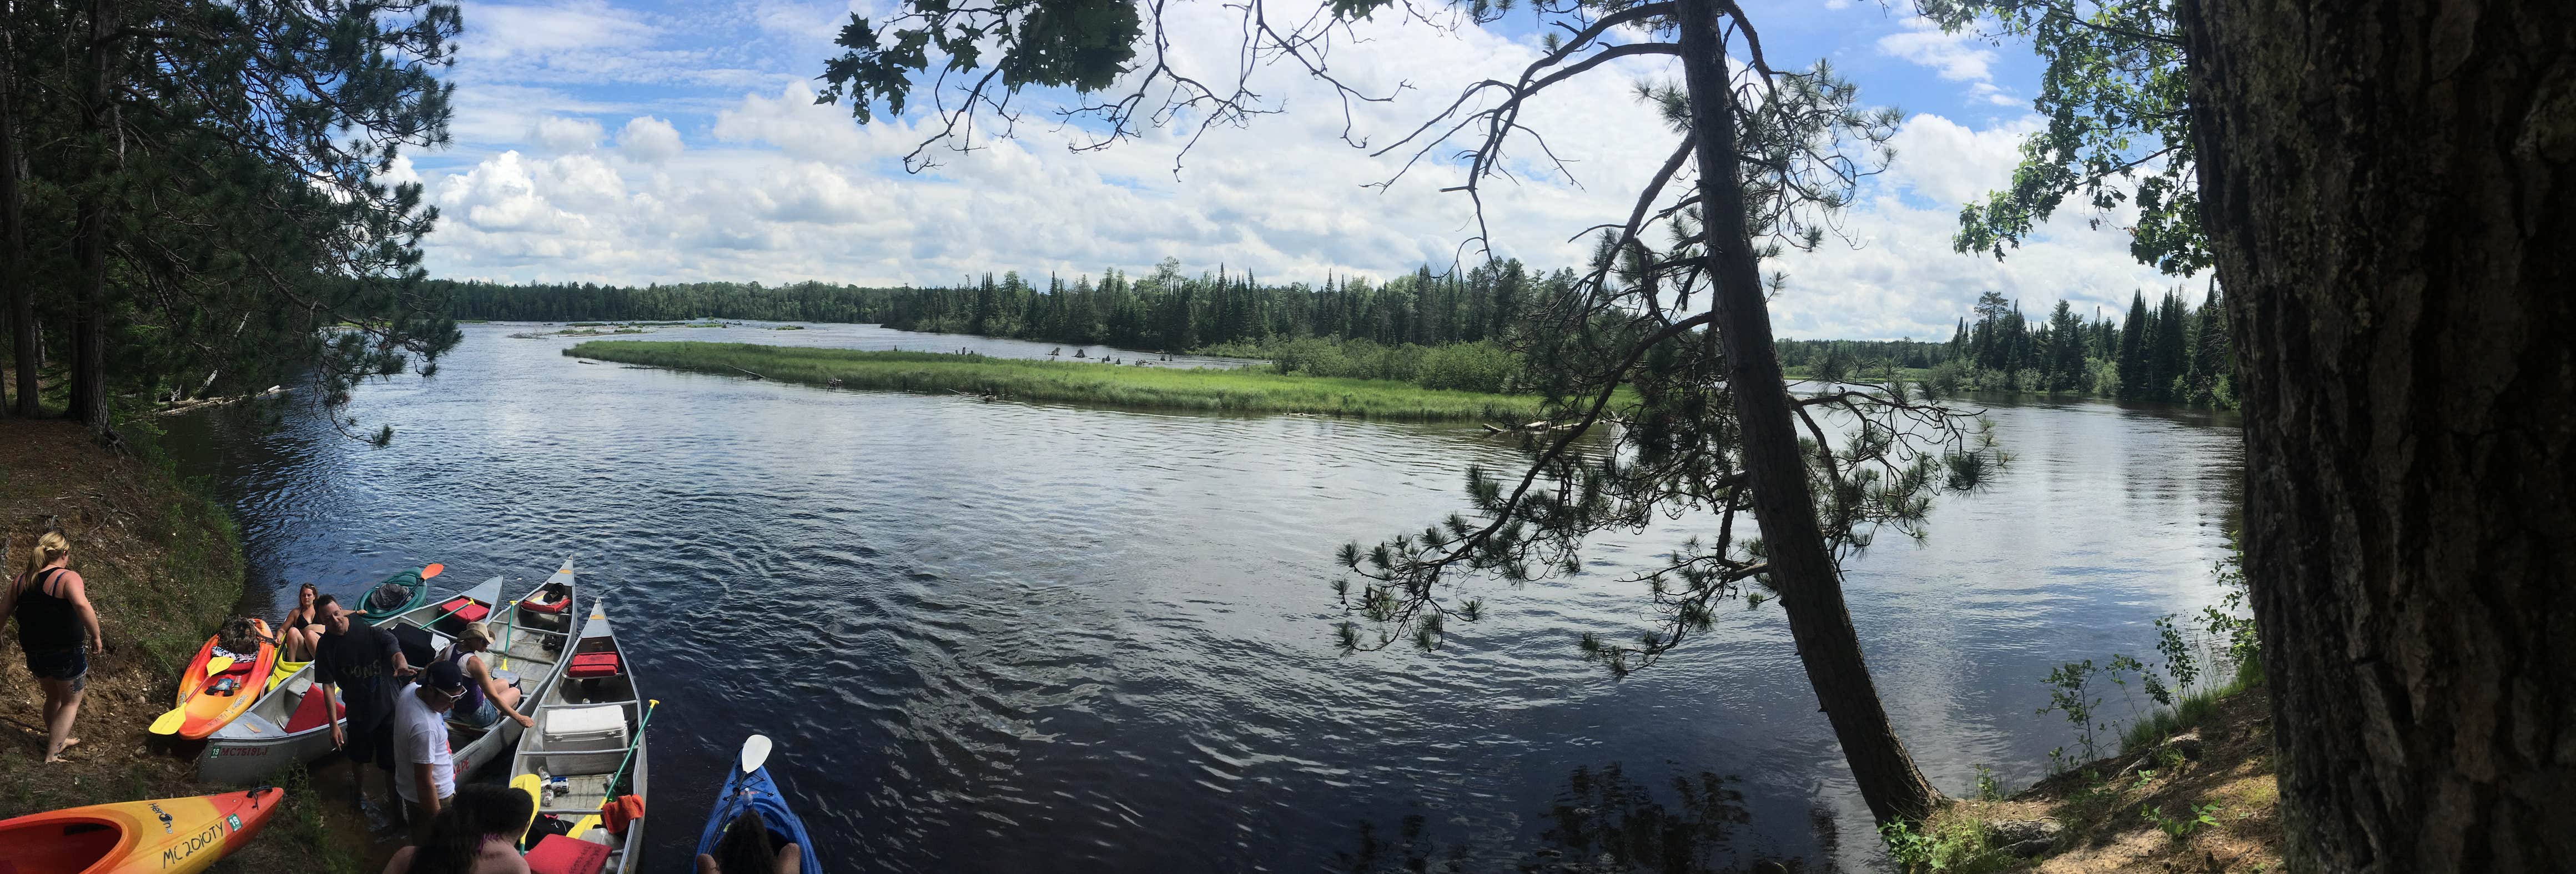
[61, 664]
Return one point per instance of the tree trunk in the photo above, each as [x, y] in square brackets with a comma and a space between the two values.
[89, 320]
[13, 287]
[1810, 584]
[2390, 189]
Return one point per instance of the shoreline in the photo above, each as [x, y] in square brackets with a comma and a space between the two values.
[163, 566]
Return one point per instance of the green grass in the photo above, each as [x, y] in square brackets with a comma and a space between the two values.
[1227, 391]
[2187, 714]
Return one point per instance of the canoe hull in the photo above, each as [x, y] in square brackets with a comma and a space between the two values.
[173, 835]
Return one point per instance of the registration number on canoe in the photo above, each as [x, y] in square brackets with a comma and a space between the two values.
[242, 751]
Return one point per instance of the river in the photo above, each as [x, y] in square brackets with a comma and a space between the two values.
[1011, 637]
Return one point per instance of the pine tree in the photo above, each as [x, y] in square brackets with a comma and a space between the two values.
[2134, 376]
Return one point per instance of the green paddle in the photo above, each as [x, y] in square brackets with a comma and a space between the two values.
[610, 788]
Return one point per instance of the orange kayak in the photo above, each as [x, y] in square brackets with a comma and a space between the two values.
[168, 836]
[210, 701]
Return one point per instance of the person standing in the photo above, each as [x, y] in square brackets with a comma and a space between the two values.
[425, 776]
[53, 611]
[367, 664]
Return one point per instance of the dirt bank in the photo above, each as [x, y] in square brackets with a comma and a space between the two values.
[2203, 803]
[163, 567]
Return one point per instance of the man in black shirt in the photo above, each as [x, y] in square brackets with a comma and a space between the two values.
[367, 664]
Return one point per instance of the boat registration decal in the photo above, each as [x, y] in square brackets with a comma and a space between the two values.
[245, 751]
[184, 850]
[233, 820]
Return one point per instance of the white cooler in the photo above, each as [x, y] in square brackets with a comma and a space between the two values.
[601, 728]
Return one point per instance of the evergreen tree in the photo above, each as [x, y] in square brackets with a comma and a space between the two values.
[2068, 338]
[2135, 378]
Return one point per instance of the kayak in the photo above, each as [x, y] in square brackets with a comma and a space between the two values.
[378, 604]
[590, 724]
[209, 700]
[167, 836]
[754, 790]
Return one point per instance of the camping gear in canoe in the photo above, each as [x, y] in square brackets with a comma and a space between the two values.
[398, 594]
[216, 687]
[527, 645]
[174, 835]
[748, 787]
[586, 759]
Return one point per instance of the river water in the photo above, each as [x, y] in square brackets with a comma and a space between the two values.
[1011, 637]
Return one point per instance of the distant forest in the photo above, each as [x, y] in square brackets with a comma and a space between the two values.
[2168, 352]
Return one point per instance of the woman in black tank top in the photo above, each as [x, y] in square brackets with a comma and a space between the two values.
[54, 615]
[301, 631]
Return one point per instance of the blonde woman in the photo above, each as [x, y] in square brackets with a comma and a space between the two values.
[488, 697]
[53, 611]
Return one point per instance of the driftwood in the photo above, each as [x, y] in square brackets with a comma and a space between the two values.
[1537, 427]
[185, 406]
[752, 375]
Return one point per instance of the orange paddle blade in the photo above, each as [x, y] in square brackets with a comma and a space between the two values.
[434, 569]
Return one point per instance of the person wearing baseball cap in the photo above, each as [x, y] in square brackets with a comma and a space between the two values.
[424, 774]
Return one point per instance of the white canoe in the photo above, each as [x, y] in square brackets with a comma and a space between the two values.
[526, 645]
[584, 727]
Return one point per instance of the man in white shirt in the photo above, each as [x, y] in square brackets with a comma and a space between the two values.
[424, 775]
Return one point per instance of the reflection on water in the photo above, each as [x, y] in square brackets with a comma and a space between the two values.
[1602, 822]
[1014, 637]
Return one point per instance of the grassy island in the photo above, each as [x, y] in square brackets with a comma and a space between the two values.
[1168, 388]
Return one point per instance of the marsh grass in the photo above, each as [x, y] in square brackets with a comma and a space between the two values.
[1221, 391]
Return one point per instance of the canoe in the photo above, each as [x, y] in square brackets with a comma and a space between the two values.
[167, 836]
[291, 725]
[589, 723]
[370, 613]
[754, 790]
[210, 701]
[528, 639]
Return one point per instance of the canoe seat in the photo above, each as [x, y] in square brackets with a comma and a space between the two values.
[556, 854]
[466, 609]
[592, 665]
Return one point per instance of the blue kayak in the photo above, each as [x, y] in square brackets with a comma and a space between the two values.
[760, 793]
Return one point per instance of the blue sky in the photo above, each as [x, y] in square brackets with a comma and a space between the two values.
[672, 142]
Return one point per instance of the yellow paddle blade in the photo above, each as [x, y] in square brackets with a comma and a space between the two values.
[584, 824]
[218, 665]
[168, 723]
[527, 783]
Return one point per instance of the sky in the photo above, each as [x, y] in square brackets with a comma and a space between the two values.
[640, 142]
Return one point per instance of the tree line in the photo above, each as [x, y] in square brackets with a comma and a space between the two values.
[193, 198]
[590, 301]
[2170, 352]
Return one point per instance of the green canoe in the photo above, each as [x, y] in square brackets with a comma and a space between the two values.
[413, 587]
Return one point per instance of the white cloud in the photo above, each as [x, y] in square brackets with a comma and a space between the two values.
[649, 140]
[567, 134]
[1956, 56]
[787, 190]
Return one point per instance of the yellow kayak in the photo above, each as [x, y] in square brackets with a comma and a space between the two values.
[167, 836]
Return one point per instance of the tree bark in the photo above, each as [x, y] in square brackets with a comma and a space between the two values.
[2390, 189]
[89, 321]
[1804, 571]
[13, 287]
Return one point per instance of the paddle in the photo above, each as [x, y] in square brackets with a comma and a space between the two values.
[507, 625]
[218, 664]
[610, 788]
[169, 722]
[434, 569]
[755, 750]
[528, 783]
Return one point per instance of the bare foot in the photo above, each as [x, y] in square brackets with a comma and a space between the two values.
[57, 759]
[70, 742]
